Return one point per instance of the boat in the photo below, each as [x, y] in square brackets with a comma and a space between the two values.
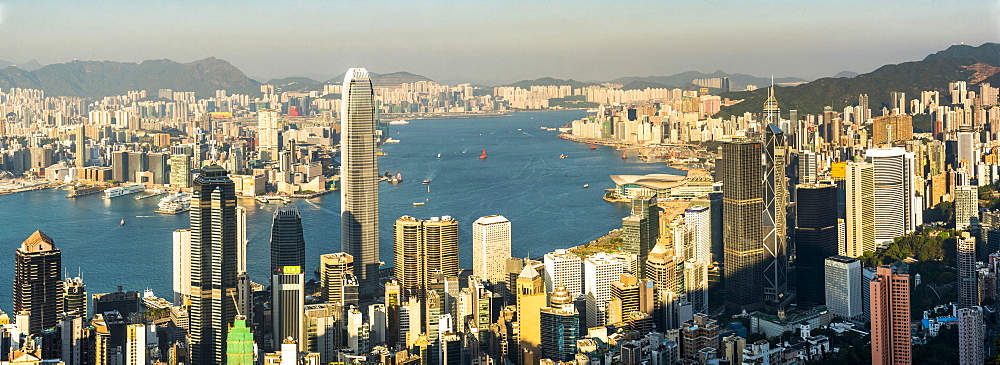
[261, 199]
[174, 203]
[122, 223]
[586, 186]
[427, 182]
[562, 156]
[418, 204]
[391, 140]
[593, 147]
[123, 190]
[624, 156]
[439, 155]
[399, 122]
[396, 179]
[483, 156]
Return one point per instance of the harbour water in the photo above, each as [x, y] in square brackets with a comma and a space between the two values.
[523, 178]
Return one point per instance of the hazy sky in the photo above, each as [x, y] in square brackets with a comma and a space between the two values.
[490, 41]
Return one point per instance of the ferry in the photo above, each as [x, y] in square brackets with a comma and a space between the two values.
[175, 203]
[427, 182]
[399, 122]
[391, 140]
[562, 156]
[418, 204]
[123, 190]
[586, 186]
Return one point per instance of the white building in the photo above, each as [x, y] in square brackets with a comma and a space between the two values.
[970, 335]
[966, 206]
[490, 248]
[564, 268]
[600, 270]
[894, 192]
[699, 222]
[182, 265]
[843, 286]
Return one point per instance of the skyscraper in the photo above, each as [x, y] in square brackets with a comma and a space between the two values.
[560, 326]
[816, 239]
[38, 286]
[213, 264]
[359, 180]
[968, 282]
[563, 268]
[600, 269]
[490, 249]
[288, 247]
[743, 204]
[775, 207]
[180, 171]
[890, 315]
[641, 229]
[81, 146]
[288, 301]
[239, 343]
[966, 207]
[332, 268]
[662, 269]
[843, 287]
[423, 248]
[970, 335]
[860, 211]
[894, 195]
[268, 134]
[181, 265]
[890, 128]
[75, 297]
[530, 301]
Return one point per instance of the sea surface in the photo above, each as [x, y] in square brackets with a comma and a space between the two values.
[523, 179]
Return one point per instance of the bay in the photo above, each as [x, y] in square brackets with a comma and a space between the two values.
[523, 179]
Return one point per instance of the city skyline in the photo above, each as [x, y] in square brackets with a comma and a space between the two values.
[501, 48]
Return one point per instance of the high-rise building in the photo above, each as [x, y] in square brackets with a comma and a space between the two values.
[842, 281]
[816, 239]
[288, 246]
[697, 334]
[239, 343]
[968, 282]
[732, 349]
[860, 209]
[38, 286]
[268, 134]
[490, 250]
[423, 248]
[288, 301]
[135, 344]
[890, 315]
[359, 180]
[641, 229]
[332, 268]
[181, 265]
[894, 194]
[966, 146]
[966, 207]
[971, 330]
[180, 171]
[775, 227]
[213, 264]
[563, 268]
[743, 204]
[698, 219]
[159, 165]
[530, 301]
[560, 326]
[75, 297]
[119, 166]
[663, 269]
[81, 146]
[600, 270]
[890, 128]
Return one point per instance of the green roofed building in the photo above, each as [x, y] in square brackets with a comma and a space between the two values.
[239, 343]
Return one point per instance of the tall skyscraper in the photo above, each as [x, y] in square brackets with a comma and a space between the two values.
[239, 343]
[560, 326]
[563, 268]
[359, 180]
[816, 239]
[968, 282]
[698, 219]
[894, 194]
[890, 315]
[213, 264]
[600, 270]
[81, 146]
[268, 134]
[775, 220]
[641, 229]
[966, 207]
[743, 204]
[530, 301]
[662, 269]
[181, 265]
[970, 335]
[38, 286]
[180, 171]
[422, 249]
[890, 128]
[288, 247]
[288, 301]
[75, 297]
[843, 287]
[490, 250]
[860, 211]
[332, 268]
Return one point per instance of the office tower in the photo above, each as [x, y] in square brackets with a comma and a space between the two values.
[771, 113]
[378, 318]
[268, 134]
[966, 207]
[842, 281]
[641, 229]
[743, 204]
[698, 333]
[808, 167]
[180, 171]
[125, 303]
[967, 155]
[530, 301]
[288, 247]
[891, 128]
[75, 297]
[423, 248]
[698, 219]
[816, 239]
[332, 268]
[181, 265]
[775, 208]
[450, 349]
[970, 335]
[563, 268]
[81, 146]
[119, 166]
[732, 349]
[159, 165]
[662, 270]
[560, 326]
[490, 249]
[696, 285]
[37, 284]
[890, 314]
[135, 344]
[601, 270]
[968, 282]
[213, 264]
[514, 266]
[288, 300]
[137, 162]
[859, 184]
[73, 343]
[894, 213]
[239, 343]
[359, 180]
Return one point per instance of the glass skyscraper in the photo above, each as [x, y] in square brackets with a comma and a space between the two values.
[288, 247]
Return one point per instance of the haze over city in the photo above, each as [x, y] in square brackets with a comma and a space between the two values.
[500, 42]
